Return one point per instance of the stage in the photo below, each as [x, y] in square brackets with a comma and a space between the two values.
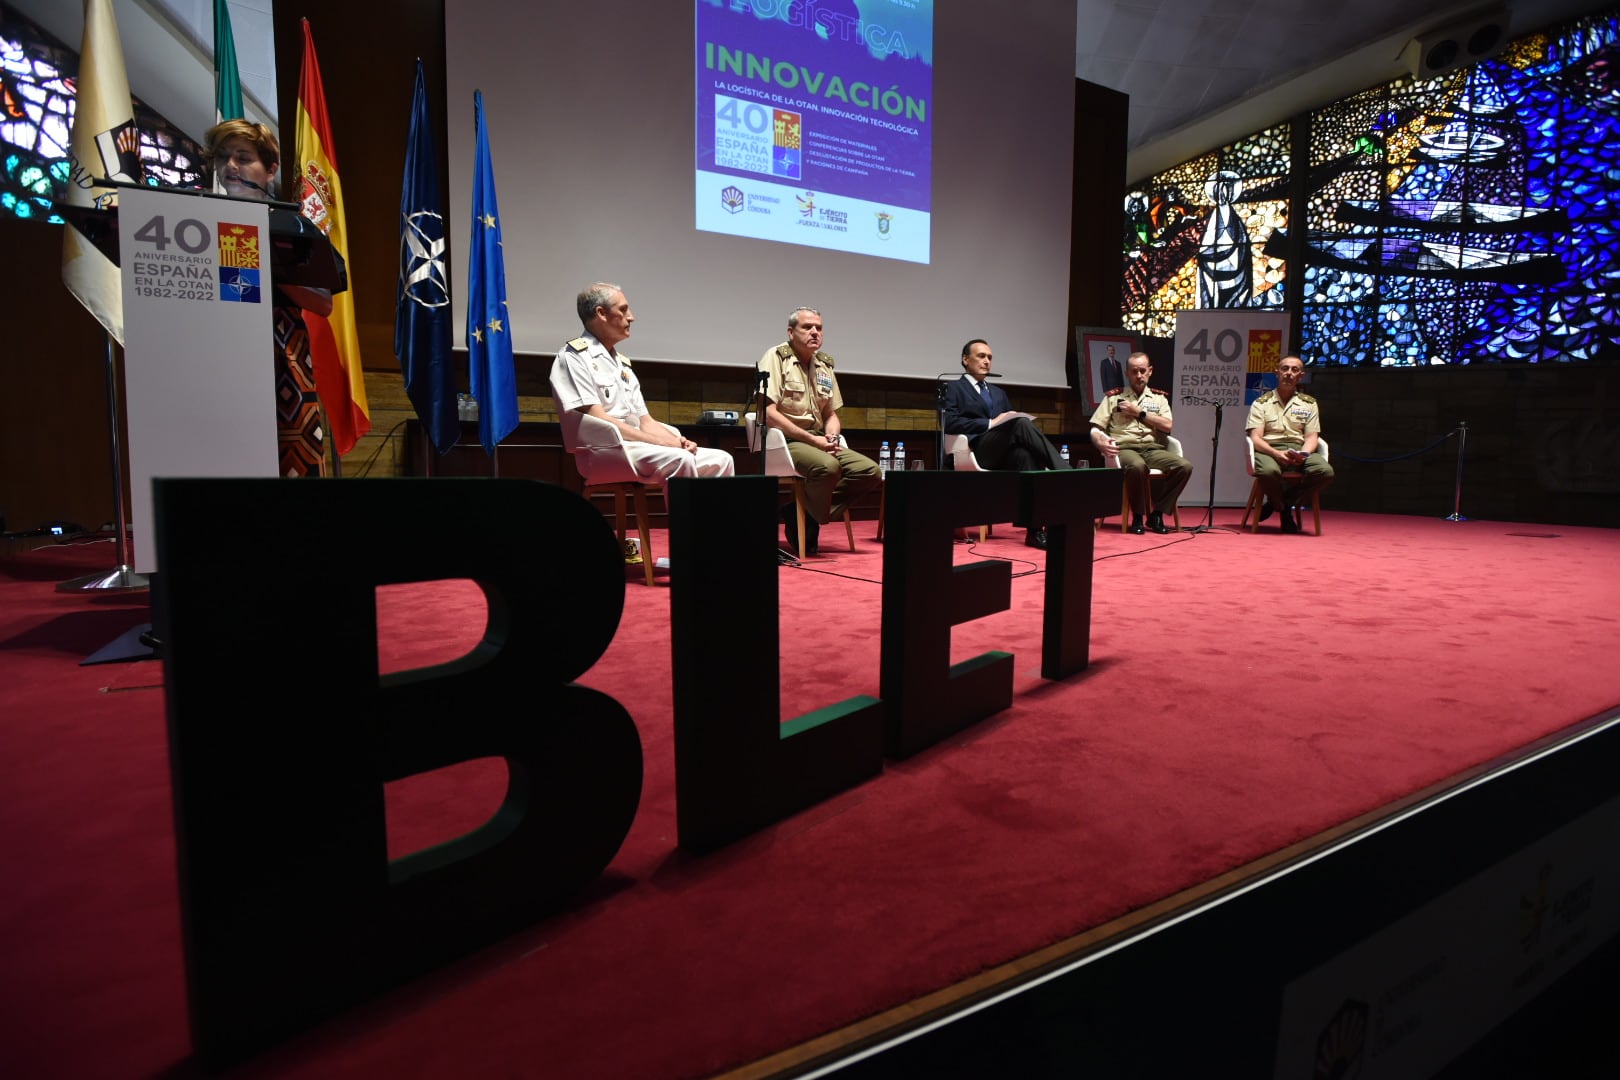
[1250, 697]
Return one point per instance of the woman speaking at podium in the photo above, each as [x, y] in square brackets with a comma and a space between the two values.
[245, 158]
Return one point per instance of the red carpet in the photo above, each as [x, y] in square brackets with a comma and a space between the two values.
[1245, 692]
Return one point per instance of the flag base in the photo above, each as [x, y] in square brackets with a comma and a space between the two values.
[121, 578]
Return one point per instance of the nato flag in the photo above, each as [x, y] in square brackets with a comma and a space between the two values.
[422, 310]
[489, 334]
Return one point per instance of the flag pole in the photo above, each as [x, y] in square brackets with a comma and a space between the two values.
[328, 443]
[123, 576]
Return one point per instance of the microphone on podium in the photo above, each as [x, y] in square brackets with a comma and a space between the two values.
[256, 187]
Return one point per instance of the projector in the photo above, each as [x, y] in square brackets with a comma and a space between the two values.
[721, 417]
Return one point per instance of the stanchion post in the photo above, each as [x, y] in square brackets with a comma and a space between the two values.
[123, 576]
[1462, 444]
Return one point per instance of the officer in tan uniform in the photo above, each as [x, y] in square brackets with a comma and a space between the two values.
[1133, 422]
[1284, 426]
[801, 400]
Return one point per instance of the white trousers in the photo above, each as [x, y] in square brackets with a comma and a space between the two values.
[668, 462]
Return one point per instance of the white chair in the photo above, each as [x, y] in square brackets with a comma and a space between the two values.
[1172, 444]
[605, 466]
[962, 460]
[1256, 496]
[779, 463]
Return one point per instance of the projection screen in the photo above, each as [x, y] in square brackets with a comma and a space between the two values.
[599, 117]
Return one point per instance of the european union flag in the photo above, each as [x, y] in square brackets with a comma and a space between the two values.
[489, 335]
[422, 307]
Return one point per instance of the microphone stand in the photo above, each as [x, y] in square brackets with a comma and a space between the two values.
[939, 409]
[784, 557]
[1214, 457]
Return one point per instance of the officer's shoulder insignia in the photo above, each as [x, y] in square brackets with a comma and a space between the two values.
[1116, 390]
[783, 351]
[1306, 398]
[824, 358]
[1269, 395]
[625, 360]
[1156, 390]
[578, 344]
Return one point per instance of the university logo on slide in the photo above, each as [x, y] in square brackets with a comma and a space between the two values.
[731, 197]
[239, 263]
[883, 219]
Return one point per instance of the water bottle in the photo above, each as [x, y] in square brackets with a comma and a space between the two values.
[899, 462]
[884, 461]
[1065, 452]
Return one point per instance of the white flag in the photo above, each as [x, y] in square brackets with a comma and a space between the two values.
[104, 145]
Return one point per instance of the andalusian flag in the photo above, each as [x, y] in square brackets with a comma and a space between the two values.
[333, 344]
[227, 82]
[104, 145]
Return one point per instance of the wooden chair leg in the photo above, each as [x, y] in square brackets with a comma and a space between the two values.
[618, 515]
[1316, 511]
[1251, 509]
[798, 506]
[640, 495]
[883, 492]
[849, 527]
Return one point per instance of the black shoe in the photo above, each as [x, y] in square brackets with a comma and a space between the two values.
[1290, 520]
[1137, 526]
[1035, 538]
[1265, 511]
[1156, 522]
[812, 536]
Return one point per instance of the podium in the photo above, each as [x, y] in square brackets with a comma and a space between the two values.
[197, 273]
[300, 254]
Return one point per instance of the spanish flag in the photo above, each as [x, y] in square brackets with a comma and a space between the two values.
[333, 344]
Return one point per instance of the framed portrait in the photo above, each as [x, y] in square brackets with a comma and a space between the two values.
[1101, 352]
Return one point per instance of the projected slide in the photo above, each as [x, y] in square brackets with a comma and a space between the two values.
[814, 123]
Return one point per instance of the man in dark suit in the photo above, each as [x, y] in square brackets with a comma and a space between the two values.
[1113, 376]
[1000, 437]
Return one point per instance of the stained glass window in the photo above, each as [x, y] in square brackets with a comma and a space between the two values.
[1465, 218]
[1197, 236]
[36, 114]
